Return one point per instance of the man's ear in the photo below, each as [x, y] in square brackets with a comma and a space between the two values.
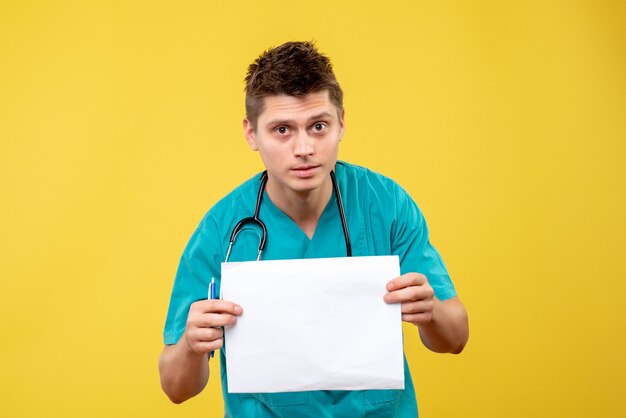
[248, 131]
[342, 123]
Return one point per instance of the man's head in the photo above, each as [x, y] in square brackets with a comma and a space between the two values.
[293, 69]
[295, 119]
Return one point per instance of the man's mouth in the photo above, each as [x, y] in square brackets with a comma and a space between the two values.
[304, 171]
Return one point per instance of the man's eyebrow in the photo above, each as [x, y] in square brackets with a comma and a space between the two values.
[321, 116]
[276, 122]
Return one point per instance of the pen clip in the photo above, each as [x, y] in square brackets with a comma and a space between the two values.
[212, 292]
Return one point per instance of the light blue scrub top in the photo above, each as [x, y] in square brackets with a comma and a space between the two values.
[382, 220]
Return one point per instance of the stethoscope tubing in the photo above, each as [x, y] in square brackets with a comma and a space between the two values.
[256, 220]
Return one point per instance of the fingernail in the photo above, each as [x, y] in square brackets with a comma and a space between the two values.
[237, 309]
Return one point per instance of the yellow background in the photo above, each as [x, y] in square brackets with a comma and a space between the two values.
[120, 125]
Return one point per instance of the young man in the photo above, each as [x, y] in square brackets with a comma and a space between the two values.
[295, 120]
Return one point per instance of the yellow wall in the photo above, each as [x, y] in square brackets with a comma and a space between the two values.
[120, 125]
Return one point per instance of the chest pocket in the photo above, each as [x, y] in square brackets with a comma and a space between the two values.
[380, 403]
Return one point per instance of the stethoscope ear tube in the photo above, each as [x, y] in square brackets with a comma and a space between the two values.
[252, 219]
[342, 215]
[259, 198]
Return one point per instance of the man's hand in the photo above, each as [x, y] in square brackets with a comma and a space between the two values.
[446, 331]
[415, 294]
[183, 366]
[203, 333]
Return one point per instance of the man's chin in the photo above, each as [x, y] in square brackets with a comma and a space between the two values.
[306, 185]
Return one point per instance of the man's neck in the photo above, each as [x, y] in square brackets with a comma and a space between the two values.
[304, 208]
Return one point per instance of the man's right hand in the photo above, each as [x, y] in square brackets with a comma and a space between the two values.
[206, 318]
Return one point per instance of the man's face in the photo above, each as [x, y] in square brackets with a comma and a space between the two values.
[298, 139]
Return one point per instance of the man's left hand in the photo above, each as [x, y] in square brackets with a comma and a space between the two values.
[415, 294]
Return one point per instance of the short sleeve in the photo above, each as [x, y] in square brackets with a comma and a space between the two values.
[410, 241]
[199, 263]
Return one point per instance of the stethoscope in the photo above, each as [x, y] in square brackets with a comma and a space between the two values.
[263, 237]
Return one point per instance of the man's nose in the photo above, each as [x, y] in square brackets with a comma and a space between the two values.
[303, 145]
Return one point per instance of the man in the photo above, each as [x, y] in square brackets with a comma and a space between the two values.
[295, 120]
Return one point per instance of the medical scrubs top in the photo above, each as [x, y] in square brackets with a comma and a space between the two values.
[382, 220]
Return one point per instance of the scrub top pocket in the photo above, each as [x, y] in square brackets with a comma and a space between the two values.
[284, 398]
[275, 405]
[380, 403]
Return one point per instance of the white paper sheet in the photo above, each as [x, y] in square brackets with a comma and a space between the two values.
[313, 324]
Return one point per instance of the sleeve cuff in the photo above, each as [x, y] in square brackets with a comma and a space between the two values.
[172, 337]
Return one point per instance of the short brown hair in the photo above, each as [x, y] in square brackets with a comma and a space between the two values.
[293, 68]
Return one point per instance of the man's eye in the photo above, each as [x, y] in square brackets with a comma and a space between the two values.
[319, 127]
[281, 130]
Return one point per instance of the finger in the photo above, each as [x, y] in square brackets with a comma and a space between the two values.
[418, 319]
[208, 320]
[204, 339]
[216, 305]
[216, 320]
[408, 279]
[410, 294]
[207, 334]
[417, 307]
[203, 335]
[207, 346]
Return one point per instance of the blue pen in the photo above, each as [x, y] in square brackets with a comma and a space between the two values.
[212, 295]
